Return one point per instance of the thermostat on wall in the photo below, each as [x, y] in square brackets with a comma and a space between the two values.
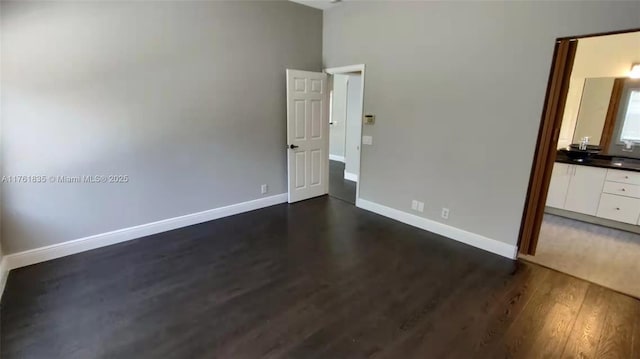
[369, 119]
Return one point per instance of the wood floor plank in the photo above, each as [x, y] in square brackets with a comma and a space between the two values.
[587, 329]
[553, 336]
[316, 279]
[487, 329]
[360, 340]
[303, 320]
[636, 334]
[617, 336]
[540, 329]
[402, 301]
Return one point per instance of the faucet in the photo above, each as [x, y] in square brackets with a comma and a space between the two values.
[584, 143]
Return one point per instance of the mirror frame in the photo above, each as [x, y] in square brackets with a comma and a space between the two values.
[612, 113]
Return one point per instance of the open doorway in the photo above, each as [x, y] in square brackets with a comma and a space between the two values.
[345, 127]
[582, 215]
[310, 112]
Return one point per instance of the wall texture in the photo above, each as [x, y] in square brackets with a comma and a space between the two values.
[460, 85]
[186, 98]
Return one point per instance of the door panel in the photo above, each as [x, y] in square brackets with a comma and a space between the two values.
[316, 167]
[299, 169]
[316, 119]
[308, 133]
[299, 114]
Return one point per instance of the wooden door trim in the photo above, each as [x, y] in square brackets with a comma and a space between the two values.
[544, 157]
[606, 33]
[612, 113]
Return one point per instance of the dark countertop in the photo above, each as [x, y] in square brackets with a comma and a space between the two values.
[604, 161]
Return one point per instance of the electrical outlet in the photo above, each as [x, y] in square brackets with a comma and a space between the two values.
[445, 213]
[417, 206]
[264, 188]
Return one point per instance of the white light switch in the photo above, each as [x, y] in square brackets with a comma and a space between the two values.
[367, 140]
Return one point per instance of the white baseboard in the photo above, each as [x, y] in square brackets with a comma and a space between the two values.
[350, 176]
[460, 235]
[42, 254]
[4, 273]
[336, 158]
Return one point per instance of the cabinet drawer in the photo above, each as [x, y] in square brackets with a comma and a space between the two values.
[623, 176]
[622, 189]
[619, 208]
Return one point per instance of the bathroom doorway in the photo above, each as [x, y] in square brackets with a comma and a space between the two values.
[582, 215]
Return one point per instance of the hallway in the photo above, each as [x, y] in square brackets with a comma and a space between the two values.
[338, 186]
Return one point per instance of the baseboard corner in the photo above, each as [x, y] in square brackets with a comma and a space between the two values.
[4, 274]
[350, 176]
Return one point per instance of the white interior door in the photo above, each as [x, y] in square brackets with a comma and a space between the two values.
[307, 135]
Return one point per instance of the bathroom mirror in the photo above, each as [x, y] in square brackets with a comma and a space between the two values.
[625, 132]
[609, 114]
[592, 113]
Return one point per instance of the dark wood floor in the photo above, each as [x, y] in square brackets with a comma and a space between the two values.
[318, 279]
[338, 186]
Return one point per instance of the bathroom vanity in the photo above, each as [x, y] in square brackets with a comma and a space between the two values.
[600, 183]
[604, 187]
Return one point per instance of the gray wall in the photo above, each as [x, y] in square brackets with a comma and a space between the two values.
[457, 89]
[186, 98]
[354, 124]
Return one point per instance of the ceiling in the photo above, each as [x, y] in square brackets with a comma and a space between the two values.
[318, 4]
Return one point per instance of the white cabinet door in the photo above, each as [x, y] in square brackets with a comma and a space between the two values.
[559, 184]
[585, 189]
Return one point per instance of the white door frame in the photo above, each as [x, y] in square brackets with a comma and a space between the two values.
[346, 70]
